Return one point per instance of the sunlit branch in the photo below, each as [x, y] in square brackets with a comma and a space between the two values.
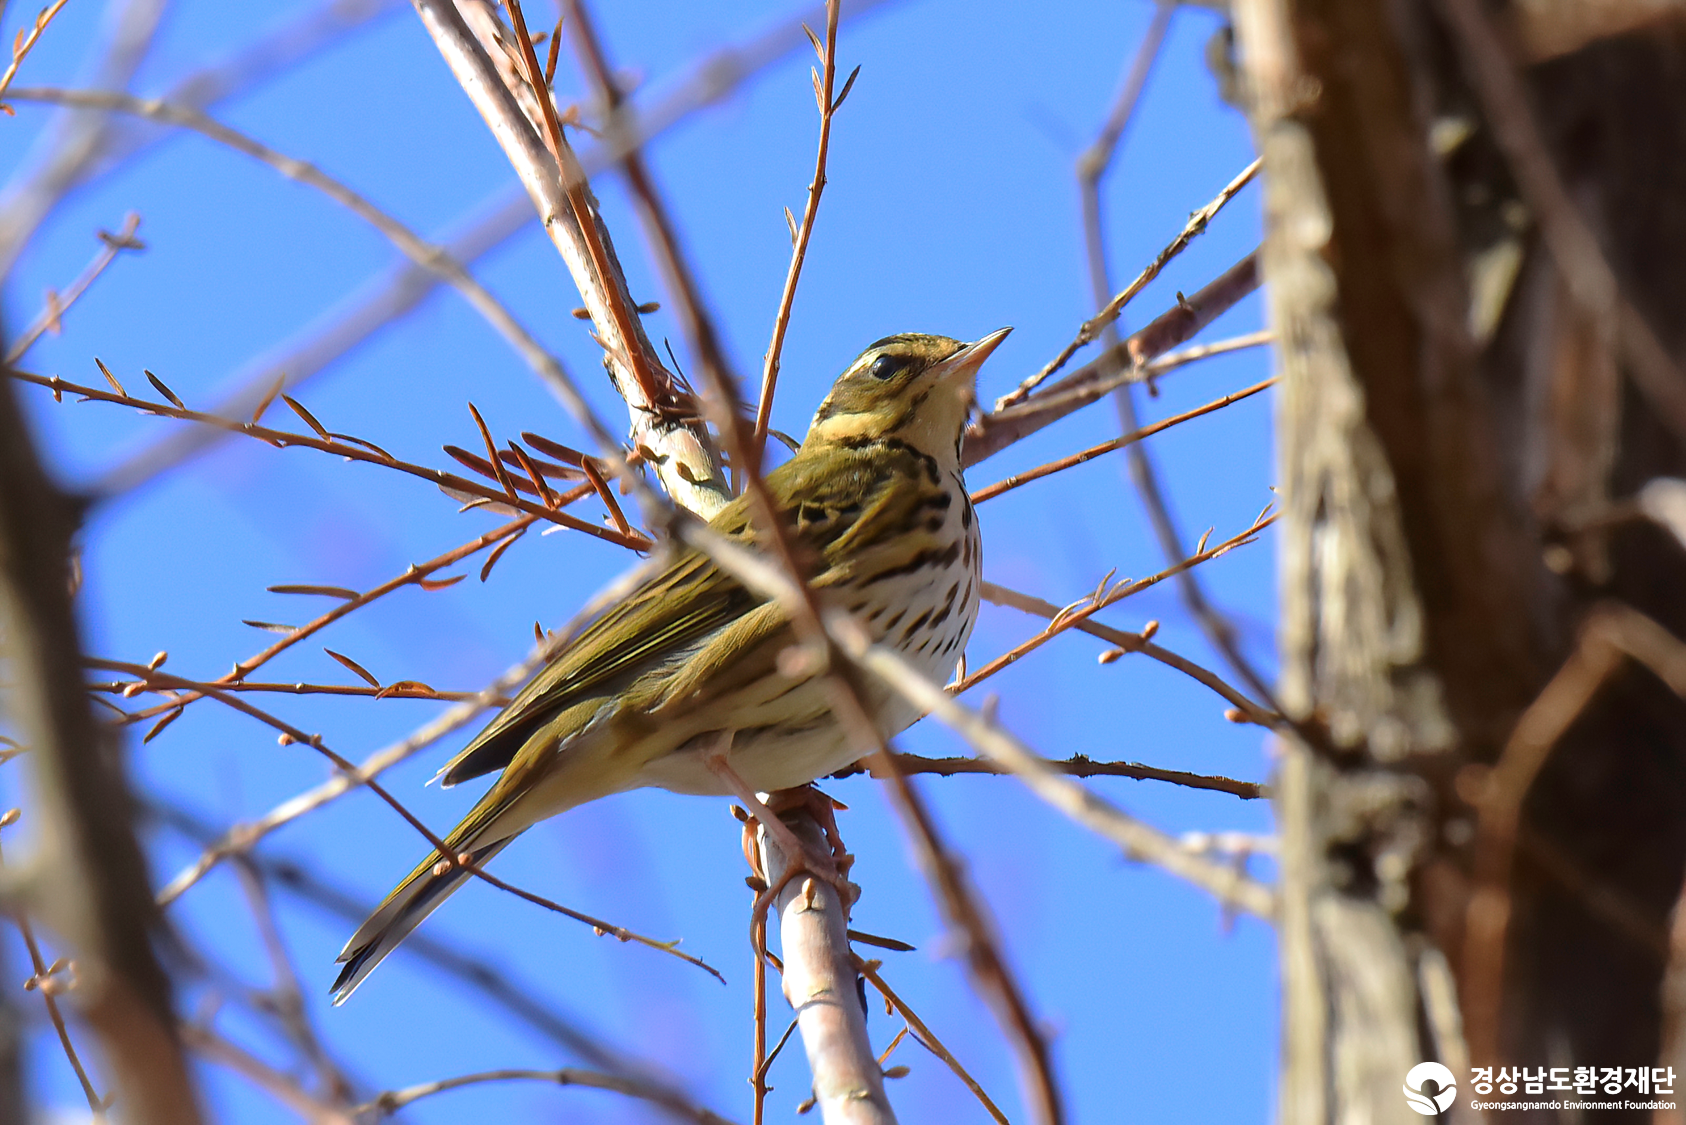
[58, 304]
[989, 492]
[1072, 617]
[1109, 312]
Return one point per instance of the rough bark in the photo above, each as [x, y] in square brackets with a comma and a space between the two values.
[1453, 428]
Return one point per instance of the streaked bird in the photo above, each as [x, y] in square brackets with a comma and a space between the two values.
[653, 689]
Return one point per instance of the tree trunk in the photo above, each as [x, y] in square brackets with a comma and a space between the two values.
[1456, 417]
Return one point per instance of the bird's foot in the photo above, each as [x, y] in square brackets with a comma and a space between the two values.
[828, 863]
[822, 807]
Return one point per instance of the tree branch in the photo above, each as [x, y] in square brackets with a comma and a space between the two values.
[665, 425]
[1131, 363]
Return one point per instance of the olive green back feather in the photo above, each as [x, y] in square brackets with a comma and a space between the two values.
[672, 614]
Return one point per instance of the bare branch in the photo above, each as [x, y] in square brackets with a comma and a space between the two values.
[284, 1088]
[340, 446]
[287, 996]
[416, 574]
[869, 970]
[354, 320]
[1092, 327]
[399, 689]
[381, 300]
[85, 144]
[44, 981]
[1095, 159]
[243, 836]
[58, 304]
[1135, 642]
[488, 980]
[1138, 840]
[1080, 766]
[24, 45]
[989, 492]
[423, 253]
[819, 981]
[1132, 363]
[665, 425]
[660, 231]
[392, 1101]
[291, 734]
[799, 243]
[1072, 617]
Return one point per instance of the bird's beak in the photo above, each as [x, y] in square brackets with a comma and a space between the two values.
[964, 363]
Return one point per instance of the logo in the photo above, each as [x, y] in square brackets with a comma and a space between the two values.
[1427, 1104]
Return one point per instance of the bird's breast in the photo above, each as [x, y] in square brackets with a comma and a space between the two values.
[921, 598]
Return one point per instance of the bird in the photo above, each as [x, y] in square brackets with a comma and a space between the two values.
[680, 684]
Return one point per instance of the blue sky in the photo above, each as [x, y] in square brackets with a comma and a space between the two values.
[951, 208]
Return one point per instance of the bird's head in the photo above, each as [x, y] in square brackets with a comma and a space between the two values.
[912, 387]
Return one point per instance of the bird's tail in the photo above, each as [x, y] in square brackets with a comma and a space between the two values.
[419, 895]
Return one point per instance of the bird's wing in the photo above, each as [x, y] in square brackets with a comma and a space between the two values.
[667, 617]
[664, 616]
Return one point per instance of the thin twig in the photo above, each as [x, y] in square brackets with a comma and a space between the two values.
[1135, 642]
[399, 689]
[660, 230]
[989, 492]
[1092, 327]
[927, 1039]
[1080, 766]
[26, 44]
[86, 145]
[486, 979]
[423, 253]
[1132, 362]
[47, 984]
[1095, 159]
[659, 391]
[823, 84]
[384, 299]
[663, 416]
[417, 574]
[1090, 172]
[1139, 841]
[355, 319]
[284, 1088]
[1123, 590]
[292, 734]
[392, 1101]
[58, 304]
[243, 836]
[337, 446]
[285, 994]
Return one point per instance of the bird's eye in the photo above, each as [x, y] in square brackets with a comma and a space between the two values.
[886, 366]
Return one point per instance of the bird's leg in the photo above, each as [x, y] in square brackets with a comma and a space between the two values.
[821, 806]
[800, 855]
